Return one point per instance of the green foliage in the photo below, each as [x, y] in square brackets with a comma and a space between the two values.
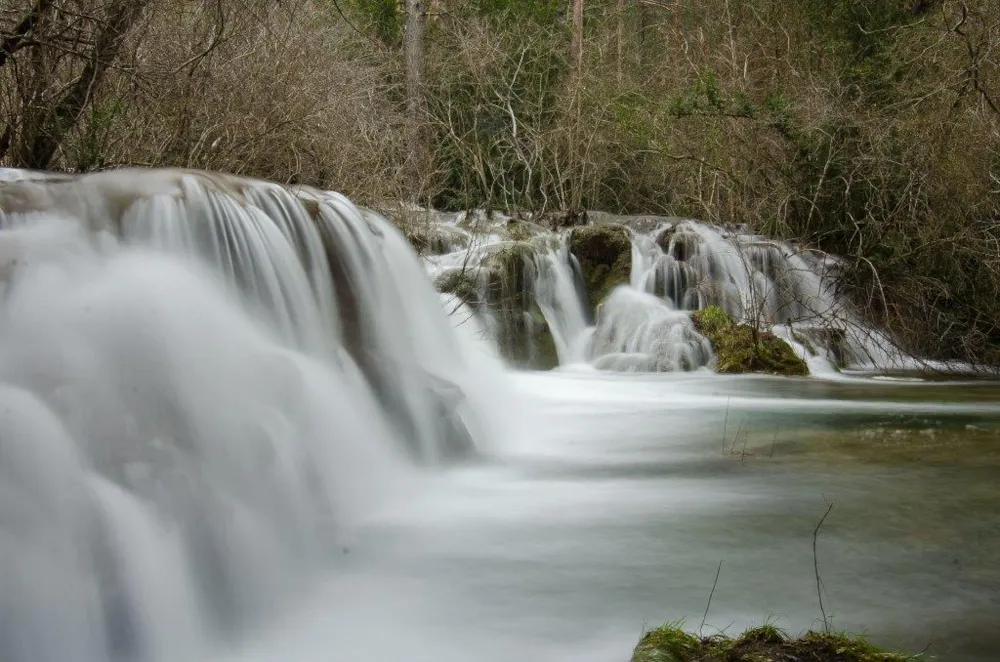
[863, 34]
[705, 97]
[742, 348]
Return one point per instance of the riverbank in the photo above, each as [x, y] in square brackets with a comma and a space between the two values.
[671, 643]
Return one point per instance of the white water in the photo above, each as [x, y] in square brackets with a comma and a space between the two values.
[684, 265]
[205, 385]
[212, 396]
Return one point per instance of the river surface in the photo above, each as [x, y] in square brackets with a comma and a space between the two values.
[614, 509]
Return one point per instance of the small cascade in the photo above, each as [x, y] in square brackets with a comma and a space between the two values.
[205, 381]
[557, 291]
[681, 266]
[638, 332]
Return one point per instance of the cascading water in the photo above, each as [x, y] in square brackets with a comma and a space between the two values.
[204, 381]
[677, 266]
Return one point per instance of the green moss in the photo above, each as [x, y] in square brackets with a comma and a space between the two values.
[670, 643]
[764, 634]
[605, 255]
[742, 348]
[544, 356]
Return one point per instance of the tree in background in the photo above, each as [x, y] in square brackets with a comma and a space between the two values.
[416, 104]
[65, 62]
[869, 129]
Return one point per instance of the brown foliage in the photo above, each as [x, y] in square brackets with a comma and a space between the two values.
[870, 129]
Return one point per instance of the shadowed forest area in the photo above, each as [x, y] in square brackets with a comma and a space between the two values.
[868, 129]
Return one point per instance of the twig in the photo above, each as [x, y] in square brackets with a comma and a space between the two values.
[725, 427]
[819, 583]
[736, 439]
[709, 605]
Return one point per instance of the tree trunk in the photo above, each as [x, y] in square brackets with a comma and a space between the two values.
[413, 42]
[59, 116]
[620, 41]
[16, 39]
[576, 42]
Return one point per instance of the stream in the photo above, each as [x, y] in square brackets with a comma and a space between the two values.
[614, 514]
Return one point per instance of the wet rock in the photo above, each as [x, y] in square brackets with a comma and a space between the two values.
[605, 256]
[742, 348]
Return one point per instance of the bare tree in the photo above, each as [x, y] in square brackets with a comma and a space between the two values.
[48, 120]
[416, 104]
[576, 43]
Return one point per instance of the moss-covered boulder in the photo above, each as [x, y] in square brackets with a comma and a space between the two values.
[766, 643]
[743, 348]
[462, 284]
[605, 256]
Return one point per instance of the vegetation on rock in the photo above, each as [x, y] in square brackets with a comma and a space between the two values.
[605, 255]
[744, 348]
[670, 643]
[461, 284]
[499, 283]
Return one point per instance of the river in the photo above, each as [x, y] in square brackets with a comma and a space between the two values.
[235, 423]
[615, 511]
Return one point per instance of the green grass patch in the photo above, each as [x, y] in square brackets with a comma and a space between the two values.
[766, 643]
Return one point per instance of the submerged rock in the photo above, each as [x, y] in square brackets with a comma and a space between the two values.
[743, 348]
[669, 643]
[605, 256]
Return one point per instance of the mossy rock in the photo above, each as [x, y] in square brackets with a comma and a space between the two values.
[766, 643]
[544, 355]
[681, 244]
[505, 272]
[518, 230]
[741, 348]
[826, 339]
[434, 239]
[460, 283]
[605, 256]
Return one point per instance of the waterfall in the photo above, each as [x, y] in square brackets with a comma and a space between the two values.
[205, 381]
[557, 291]
[677, 266]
